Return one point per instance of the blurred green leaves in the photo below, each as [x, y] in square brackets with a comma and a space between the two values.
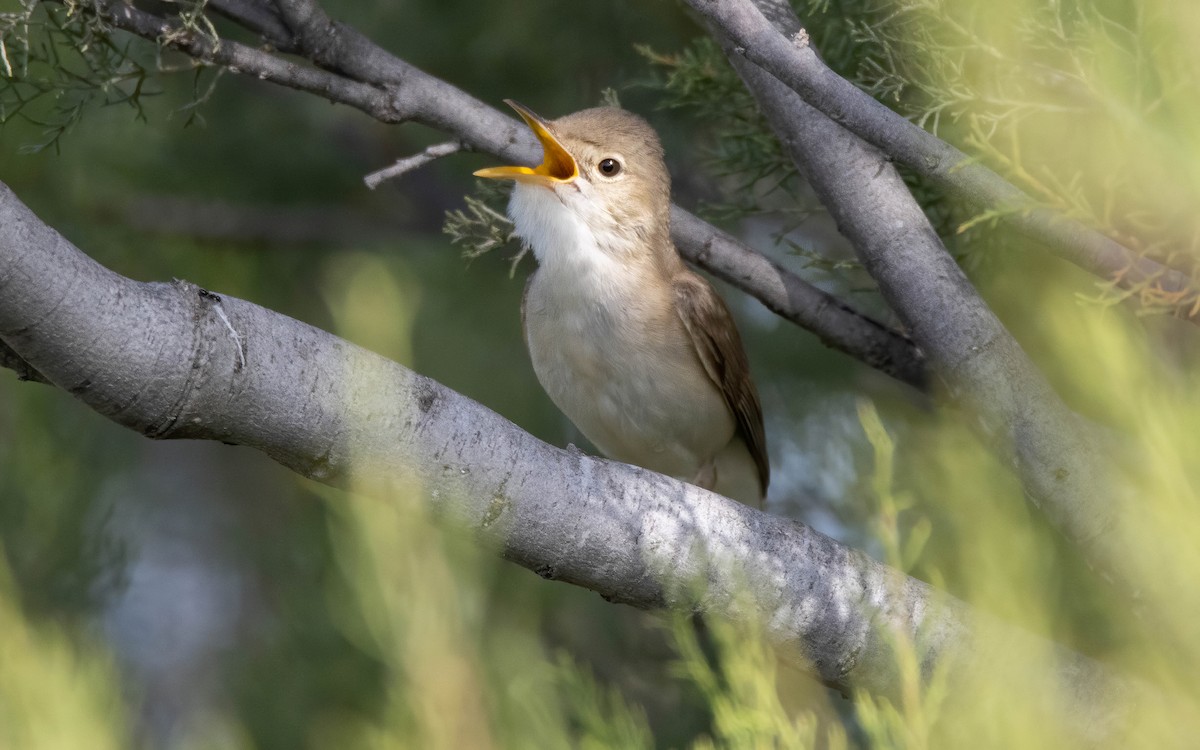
[384, 628]
[58, 687]
[58, 63]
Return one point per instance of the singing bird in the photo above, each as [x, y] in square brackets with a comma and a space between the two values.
[637, 350]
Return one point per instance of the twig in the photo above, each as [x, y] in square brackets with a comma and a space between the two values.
[409, 163]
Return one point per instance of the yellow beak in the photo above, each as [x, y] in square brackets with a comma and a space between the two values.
[557, 165]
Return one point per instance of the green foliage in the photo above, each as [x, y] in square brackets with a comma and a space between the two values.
[61, 61]
[386, 628]
[1074, 102]
[755, 175]
[1084, 105]
[902, 533]
[57, 689]
[482, 226]
[53, 533]
[737, 676]
[598, 714]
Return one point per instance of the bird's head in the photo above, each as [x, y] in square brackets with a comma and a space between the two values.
[602, 171]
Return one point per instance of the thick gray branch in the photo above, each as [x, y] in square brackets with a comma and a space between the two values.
[793, 61]
[10, 360]
[171, 360]
[984, 368]
[356, 71]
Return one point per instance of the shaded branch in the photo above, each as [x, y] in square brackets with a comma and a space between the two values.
[838, 325]
[170, 360]
[366, 75]
[1061, 467]
[261, 18]
[10, 360]
[383, 103]
[791, 59]
[973, 351]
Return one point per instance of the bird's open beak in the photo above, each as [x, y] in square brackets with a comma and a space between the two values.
[557, 165]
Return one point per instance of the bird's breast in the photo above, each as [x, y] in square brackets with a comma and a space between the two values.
[606, 341]
[610, 350]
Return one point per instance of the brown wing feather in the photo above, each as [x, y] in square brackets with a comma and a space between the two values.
[719, 347]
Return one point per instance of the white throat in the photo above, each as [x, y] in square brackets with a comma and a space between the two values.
[565, 229]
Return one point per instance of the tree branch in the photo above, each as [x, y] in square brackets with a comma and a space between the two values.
[12, 361]
[175, 361]
[974, 352]
[1052, 451]
[261, 18]
[837, 324]
[409, 163]
[792, 60]
[374, 75]
[383, 103]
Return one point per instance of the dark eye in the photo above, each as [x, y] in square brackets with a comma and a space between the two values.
[610, 167]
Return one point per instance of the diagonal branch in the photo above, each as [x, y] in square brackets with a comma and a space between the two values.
[409, 163]
[793, 61]
[837, 324]
[355, 71]
[383, 103]
[977, 357]
[175, 361]
[1051, 449]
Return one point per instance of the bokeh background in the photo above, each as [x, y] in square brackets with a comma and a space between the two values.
[211, 572]
[198, 595]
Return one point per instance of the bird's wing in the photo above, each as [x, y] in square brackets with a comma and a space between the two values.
[719, 347]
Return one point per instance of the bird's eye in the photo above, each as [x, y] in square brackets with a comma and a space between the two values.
[610, 167]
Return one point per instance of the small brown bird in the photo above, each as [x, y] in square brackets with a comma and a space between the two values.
[637, 350]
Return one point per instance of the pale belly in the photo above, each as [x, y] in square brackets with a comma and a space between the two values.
[640, 398]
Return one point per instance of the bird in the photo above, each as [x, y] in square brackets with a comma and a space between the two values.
[635, 348]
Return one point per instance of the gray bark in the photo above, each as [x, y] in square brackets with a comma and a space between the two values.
[171, 360]
[355, 71]
[839, 326]
[791, 60]
[1062, 468]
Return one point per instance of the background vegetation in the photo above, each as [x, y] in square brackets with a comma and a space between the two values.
[195, 595]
